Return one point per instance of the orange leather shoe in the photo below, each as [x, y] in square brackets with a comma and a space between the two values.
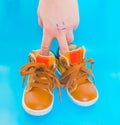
[75, 76]
[38, 97]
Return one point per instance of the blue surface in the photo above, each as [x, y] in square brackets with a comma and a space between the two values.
[99, 31]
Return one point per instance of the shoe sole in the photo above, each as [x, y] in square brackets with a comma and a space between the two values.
[36, 112]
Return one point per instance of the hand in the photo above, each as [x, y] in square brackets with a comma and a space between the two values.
[58, 18]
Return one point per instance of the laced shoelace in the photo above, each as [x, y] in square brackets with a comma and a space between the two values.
[75, 73]
[39, 72]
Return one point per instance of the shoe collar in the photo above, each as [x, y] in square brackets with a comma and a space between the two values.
[74, 55]
[35, 56]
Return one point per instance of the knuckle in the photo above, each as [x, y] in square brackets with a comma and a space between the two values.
[45, 47]
[39, 22]
[77, 21]
[48, 29]
[70, 38]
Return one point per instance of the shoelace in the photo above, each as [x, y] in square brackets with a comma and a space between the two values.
[75, 73]
[39, 72]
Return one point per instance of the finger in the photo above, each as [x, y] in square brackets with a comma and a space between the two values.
[46, 42]
[69, 36]
[61, 37]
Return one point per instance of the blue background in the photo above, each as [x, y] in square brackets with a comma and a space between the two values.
[99, 31]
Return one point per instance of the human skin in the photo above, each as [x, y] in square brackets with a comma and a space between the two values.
[58, 18]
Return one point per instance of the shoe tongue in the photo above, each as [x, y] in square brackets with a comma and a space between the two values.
[47, 60]
[75, 56]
